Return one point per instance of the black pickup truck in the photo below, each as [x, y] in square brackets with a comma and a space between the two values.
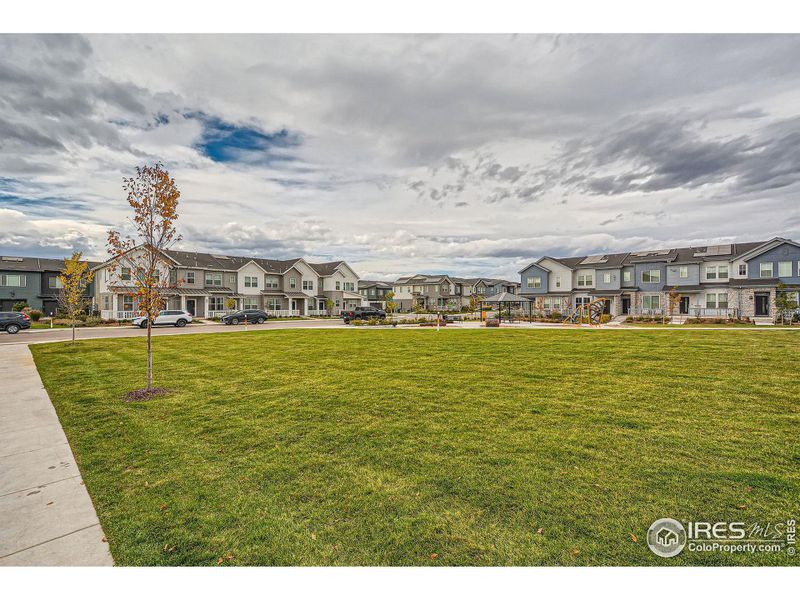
[363, 313]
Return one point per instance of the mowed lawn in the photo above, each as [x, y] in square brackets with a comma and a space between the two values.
[412, 447]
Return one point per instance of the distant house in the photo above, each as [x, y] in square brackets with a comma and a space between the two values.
[33, 281]
[444, 292]
[373, 293]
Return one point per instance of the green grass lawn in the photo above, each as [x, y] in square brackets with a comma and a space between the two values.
[412, 447]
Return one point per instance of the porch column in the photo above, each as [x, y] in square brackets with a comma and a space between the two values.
[115, 303]
[205, 305]
[183, 302]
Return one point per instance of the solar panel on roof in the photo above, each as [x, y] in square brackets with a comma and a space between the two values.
[220, 256]
[594, 259]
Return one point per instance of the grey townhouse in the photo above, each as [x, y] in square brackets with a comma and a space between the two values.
[445, 292]
[373, 293]
[736, 279]
[33, 281]
[203, 283]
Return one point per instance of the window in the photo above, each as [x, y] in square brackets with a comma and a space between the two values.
[722, 272]
[652, 276]
[651, 302]
[232, 279]
[349, 286]
[106, 302]
[558, 281]
[251, 281]
[534, 282]
[626, 276]
[606, 277]
[743, 269]
[216, 303]
[189, 276]
[274, 304]
[717, 300]
[292, 282]
[271, 283]
[214, 279]
[765, 269]
[127, 302]
[585, 280]
[156, 275]
[338, 303]
[125, 274]
[785, 268]
[13, 280]
[339, 286]
[309, 285]
[55, 282]
[683, 272]
[250, 303]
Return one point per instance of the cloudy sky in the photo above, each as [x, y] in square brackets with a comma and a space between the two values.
[470, 155]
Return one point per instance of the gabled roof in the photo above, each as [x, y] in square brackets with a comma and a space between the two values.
[365, 283]
[328, 268]
[765, 247]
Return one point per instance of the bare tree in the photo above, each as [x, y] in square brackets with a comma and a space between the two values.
[153, 196]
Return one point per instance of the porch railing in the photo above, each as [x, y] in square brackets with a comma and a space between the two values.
[119, 315]
[212, 314]
[283, 313]
[317, 313]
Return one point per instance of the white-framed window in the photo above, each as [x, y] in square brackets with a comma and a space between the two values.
[274, 304]
[292, 282]
[585, 280]
[125, 273]
[651, 276]
[606, 277]
[55, 282]
[558, 281]
[106, 302]
[722, 272]
[785, 268]
[251, 281]
[214, 279]
[271, 283]
[309, 285]
[216, 303]
[683, 272]
[339, 286]
[743, 269]
[127, 302]
[250, 303]
[338, 303]
[651, 302]
[189, 276]
[717, 300]
[13, 280]
[765, 269]
[349, 286]
[626, 276]
[231, 278]
[534, 282]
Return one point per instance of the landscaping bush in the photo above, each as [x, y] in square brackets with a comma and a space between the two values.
[556, 315]
[20, 306]
[35, 315]
[605, 319]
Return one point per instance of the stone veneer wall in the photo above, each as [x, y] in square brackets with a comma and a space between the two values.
[748, 301]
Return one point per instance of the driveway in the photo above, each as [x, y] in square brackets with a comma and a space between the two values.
[41, 336]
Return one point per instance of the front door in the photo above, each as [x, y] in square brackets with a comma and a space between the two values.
[294, 304]
[684, 306]
[762, 304]
[626, 306]
[191, 306]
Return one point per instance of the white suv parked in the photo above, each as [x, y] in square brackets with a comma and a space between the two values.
[178, 318]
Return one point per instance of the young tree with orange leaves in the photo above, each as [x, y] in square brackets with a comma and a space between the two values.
[71, 297]
[153, 196]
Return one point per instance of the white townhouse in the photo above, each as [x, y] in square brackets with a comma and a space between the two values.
[204, 284]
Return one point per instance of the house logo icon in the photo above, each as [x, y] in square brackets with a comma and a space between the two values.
[666, 537]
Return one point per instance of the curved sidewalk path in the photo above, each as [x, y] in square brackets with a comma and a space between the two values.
[46, 515]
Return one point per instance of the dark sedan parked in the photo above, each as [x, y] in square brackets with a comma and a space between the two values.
[251, 316]
[12, 322]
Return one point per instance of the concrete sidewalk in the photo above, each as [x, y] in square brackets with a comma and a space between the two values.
[46, 515]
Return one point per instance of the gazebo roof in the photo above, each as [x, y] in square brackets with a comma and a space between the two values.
[505, 297]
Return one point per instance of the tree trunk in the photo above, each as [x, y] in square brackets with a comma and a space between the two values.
[73, 331]
[149, 355]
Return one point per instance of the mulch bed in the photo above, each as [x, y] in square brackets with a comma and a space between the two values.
[144, 394]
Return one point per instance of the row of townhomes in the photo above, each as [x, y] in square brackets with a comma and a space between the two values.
[202, 283]
[32, 282]
[444, 292]
[719, 280]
